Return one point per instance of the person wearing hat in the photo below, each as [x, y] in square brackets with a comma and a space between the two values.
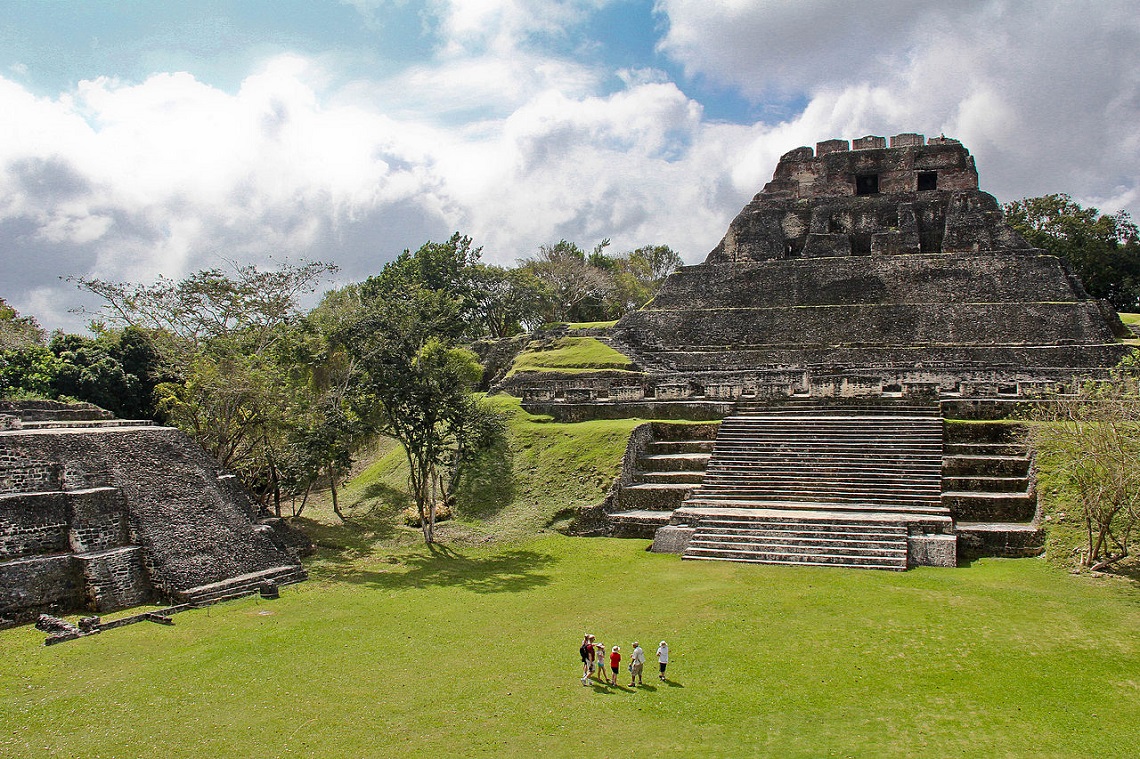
[615, 663]
[636, 663]
[662, 659]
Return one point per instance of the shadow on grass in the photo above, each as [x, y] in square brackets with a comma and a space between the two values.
[489, 484]
[507, 572]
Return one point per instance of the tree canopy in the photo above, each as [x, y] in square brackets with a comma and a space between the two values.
[1103, 249]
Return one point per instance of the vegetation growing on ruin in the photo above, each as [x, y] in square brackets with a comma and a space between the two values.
[570, 355]
[529, 482]
[471, 651]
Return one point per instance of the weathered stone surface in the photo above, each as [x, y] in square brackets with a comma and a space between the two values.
[672, 539]
[932, 550]
[108, 517]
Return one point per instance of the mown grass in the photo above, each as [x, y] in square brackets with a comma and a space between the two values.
[570, 355]
[1130, 319]
[472, 651]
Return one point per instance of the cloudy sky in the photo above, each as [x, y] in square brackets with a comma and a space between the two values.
[146, 138]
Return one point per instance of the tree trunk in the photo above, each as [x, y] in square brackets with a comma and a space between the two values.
[332, 485]
[304, 500]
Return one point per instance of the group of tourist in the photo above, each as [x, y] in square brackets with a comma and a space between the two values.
[595, 662]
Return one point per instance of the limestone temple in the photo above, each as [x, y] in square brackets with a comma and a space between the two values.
[101, 514]
[863, 300]
[866, 301]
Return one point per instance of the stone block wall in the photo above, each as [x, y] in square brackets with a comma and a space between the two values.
[129, 513]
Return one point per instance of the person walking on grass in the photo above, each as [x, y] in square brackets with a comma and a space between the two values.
[615, 664]
[636, 664]
[600, 661]
[662, 659]
[587, 652]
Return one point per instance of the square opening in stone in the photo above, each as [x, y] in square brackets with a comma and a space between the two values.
[867, 184]
[927, 180]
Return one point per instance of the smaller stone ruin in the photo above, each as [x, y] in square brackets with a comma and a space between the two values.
[101, 514]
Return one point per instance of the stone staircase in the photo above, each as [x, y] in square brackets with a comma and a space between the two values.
[243, 585]
[987, 484]
[666, 466]
[809, 539]
[802, 483]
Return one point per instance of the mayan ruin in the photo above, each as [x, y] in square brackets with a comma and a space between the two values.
[868, 294]
[100, 514]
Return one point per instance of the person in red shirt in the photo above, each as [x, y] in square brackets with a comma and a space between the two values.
[615, 663]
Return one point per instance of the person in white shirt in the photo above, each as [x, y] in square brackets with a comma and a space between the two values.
[636, 663]
[662, 659]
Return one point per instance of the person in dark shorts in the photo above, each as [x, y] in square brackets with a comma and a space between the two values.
[587, 652]
[615, 663]
[662, 659]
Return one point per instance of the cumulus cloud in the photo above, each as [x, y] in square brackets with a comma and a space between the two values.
[504, 141]
[1046, 95]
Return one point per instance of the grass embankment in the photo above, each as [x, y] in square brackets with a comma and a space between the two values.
[570, 355]
[472, 651]
[534, 476]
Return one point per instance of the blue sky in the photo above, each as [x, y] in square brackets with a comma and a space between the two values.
[156, 138]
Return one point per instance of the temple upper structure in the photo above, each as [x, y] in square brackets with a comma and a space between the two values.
[864, 198]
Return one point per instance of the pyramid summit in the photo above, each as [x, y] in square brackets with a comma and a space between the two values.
[863, 269]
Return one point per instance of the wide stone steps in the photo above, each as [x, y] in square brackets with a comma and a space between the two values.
[699, 501]
[690, 478]
[680, 446]
[987, 466]
[971, 484]
[814, 540]
[654, 496]
[242, 585]
[673, 462]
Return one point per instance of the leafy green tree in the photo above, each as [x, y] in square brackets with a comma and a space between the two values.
[506, 301]
[1103, 249]
[219, 336]
[18, 331]
[1088, 446]
[117, 370]
[28, 372]
[415, 385]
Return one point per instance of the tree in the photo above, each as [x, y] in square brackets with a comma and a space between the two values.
[117, 370]
[415, 385]
[219, 336]
[18, 331]
[1089, 445]
[1103, 249]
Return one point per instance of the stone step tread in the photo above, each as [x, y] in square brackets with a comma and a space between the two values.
[693, 456]
[842, 565]
[698, 501]
[953, 457]
[265, 574]
[797, 541]
[760, 512]
[984, 494]
[870, 495]
[998, 526]
[799, 552]
[791, 525]
[662, 486]
[641, 515]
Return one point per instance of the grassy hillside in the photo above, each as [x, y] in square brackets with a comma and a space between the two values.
[471, 651]
[570, 355]
[526, 484]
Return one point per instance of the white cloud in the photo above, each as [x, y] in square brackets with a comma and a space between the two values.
[501, 140]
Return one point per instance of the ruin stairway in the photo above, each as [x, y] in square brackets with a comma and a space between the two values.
[805, 483]
[666, 469]
[988, 486]
[767, 536]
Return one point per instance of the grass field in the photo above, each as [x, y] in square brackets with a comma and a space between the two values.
[473, 652]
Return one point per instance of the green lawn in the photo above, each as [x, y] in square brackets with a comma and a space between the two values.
[473, 652]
